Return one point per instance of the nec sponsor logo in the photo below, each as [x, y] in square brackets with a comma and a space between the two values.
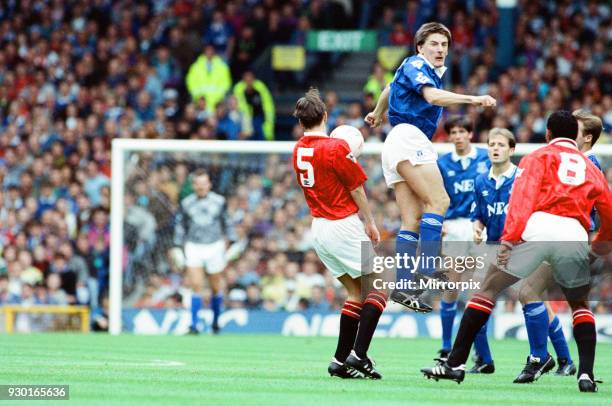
[497, 209]
[465, 186]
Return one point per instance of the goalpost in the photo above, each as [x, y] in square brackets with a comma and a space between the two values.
[125, 154]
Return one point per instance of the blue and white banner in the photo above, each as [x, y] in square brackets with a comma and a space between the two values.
[156, 321]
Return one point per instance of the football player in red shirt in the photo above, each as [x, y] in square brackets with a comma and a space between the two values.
[532, 292]
[332, 182]
[548, 218]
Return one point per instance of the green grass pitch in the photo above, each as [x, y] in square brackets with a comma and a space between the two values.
[270, 370]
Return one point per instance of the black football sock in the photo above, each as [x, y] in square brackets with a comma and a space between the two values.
[373, 307]
[349, 323]
[586, 339]
[476, 314]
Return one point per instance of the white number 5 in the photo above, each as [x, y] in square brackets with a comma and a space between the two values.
[308, 179]
[572, 170]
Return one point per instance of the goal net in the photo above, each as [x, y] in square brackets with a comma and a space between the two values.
[265, 208]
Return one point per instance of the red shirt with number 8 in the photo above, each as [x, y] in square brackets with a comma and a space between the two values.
[327, 171]
[558, 179]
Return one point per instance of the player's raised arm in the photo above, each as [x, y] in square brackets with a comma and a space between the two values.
[375, 117]
[444, 98]
[523, 199]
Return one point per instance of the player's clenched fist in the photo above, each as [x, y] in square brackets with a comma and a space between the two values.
[484, 101]
[373, 119]
[503, 254]
[477, 229]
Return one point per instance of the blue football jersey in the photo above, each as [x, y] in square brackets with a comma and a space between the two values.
[591, 155]
[459, 174]
[406, 102]
[491, 202]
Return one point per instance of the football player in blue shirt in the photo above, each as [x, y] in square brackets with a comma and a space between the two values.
[589, 130]
[459, 170]
[492, 190]
[415, 100]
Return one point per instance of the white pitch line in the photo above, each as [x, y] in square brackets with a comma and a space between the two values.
[166, 363]
[155, 363]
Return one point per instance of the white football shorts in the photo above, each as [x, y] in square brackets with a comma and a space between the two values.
[340, 245]
[459, 238]
[405, 142]
[560, 241]
[211, 257]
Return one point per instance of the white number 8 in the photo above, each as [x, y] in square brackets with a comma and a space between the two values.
[572, 170]
[308, 179]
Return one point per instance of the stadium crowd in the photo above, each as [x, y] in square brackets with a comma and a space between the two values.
[74, 75]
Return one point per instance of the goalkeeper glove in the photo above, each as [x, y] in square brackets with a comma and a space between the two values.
[177, 257]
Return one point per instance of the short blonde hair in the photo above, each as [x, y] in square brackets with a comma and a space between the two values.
[591, 124]
[504, 132]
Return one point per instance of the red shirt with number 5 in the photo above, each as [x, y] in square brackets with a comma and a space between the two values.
[558, 179]
[327, 172]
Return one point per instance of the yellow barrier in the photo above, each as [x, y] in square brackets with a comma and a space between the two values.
[11, 310]
[288, 57]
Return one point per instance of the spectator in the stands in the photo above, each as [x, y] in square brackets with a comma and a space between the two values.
[209, 77]
[220, 35]
[400, 37]
[256, 103]
[377, 81]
